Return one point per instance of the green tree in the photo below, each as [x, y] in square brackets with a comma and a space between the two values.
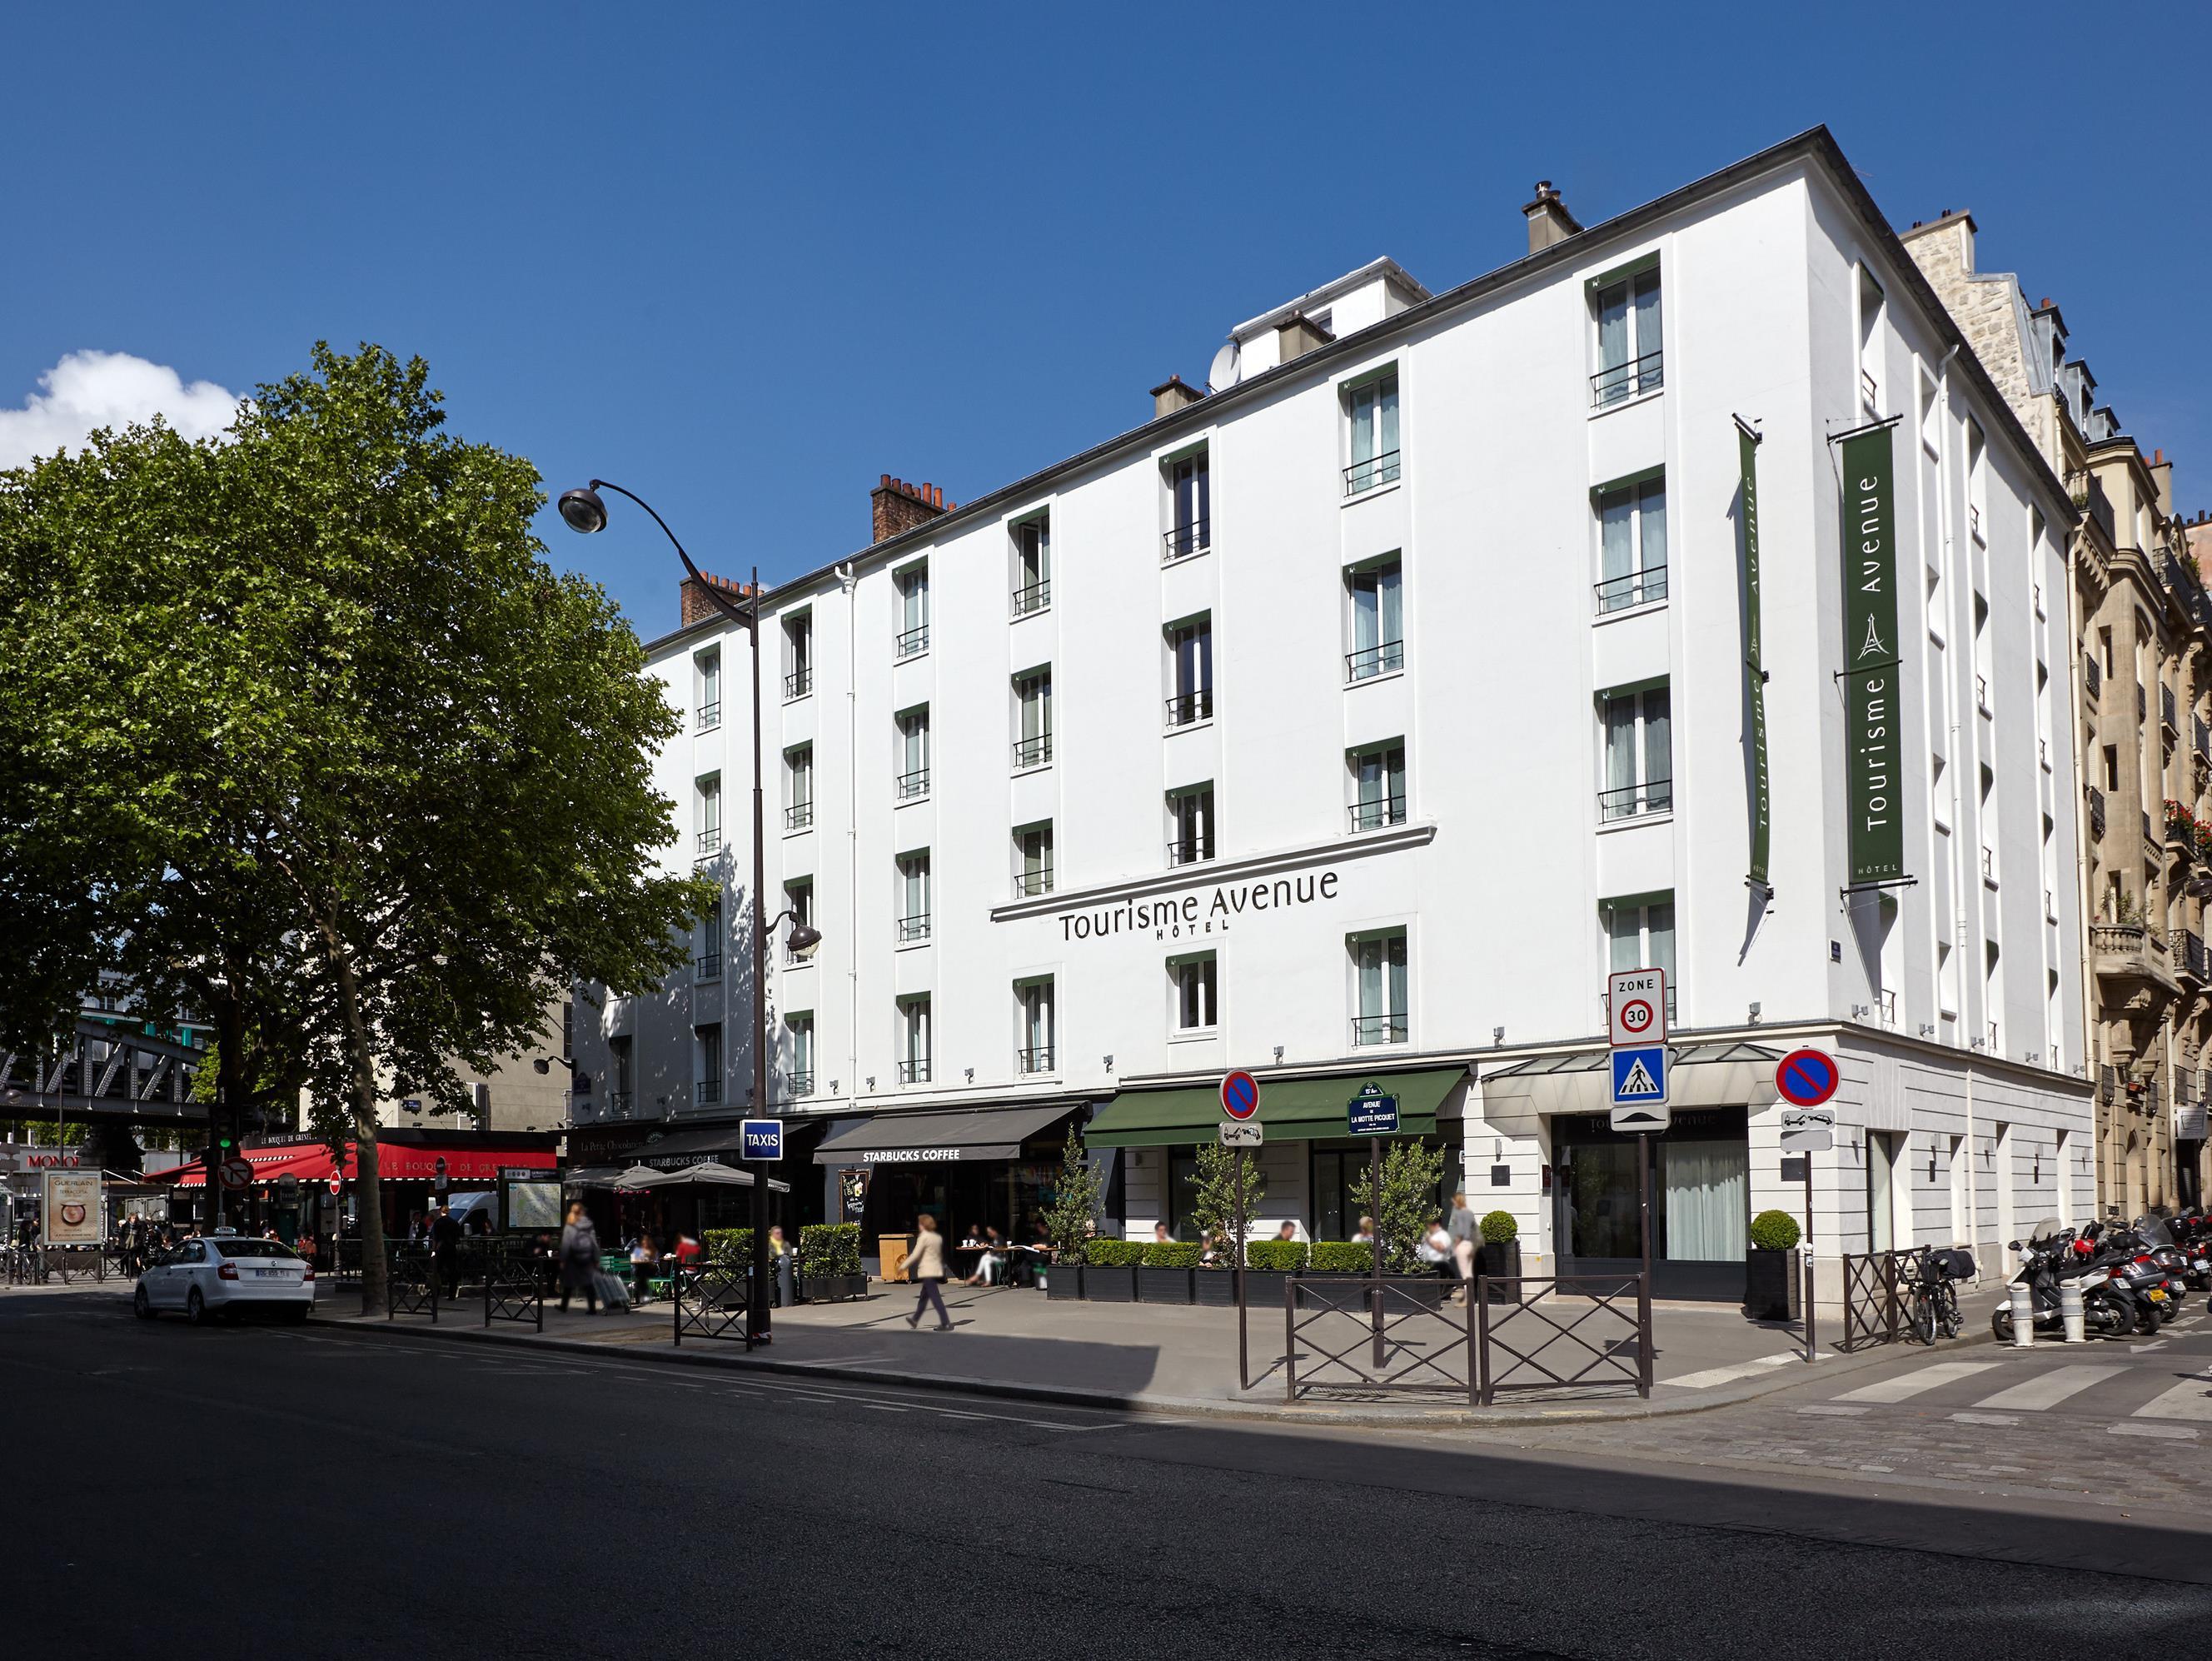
[1214, 1191]
[1074, 1209]
[329, 748]
[1410, 1172]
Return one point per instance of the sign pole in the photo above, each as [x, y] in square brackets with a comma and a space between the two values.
[1375, 1210]
[1236, 1268]
[1808, 1256]
[1643, 1282]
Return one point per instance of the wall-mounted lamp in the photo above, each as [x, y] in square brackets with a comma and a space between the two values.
[1754, 1014]
[1859, 1012]
[1927, 1029]
[971, 1075]
[1498, 1037]
[1109, 1063]
[1279, 1052]
[872, 1081]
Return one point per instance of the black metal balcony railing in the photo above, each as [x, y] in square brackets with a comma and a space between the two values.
[799, 816]
[618, 1103]
[710, 842]
[1037, 1058]
[2166, 713]
[914, 1072]
[1033, 597]
[1184, 540]
[2092, 677]
[1372, 660]
[1634, 800]
[2199, 961]
[1190, 850]
[802, 1083]
[1030, 883]
[1625, 380]
[915, 928]
[907, 785]
[710, 716]
[1379, 1029]
[913, 641]
[1187, 706]
[2096, 812]
[1374, 814]
[798, 683]
[2200, 738]
[709, 966]
[709, 1092]
[1034, 751]
[1372, 473]
[1632, 588]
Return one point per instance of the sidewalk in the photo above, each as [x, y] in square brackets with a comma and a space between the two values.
[1149, 1357]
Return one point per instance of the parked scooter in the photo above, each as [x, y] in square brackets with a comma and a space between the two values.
[2053, 1255]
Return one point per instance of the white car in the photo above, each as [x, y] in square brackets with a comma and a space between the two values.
[227, 1275]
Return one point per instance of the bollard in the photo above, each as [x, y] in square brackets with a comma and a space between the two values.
[2070, 1311]
[2023, 1315]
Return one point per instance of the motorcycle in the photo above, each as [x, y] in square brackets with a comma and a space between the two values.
[2058, 1255]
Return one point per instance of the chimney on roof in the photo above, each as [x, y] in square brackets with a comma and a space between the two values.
[1172, 394]
[693, 604]
[900, 506]
[1297, 335]
[1549, 221]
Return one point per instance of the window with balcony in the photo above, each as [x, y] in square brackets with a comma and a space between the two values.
[1378, 988]
[1033, 719]
[1640, 934]
[707, 674]
[1190, 672]
[1978, 481]
[1191, 990]
[799, 900]
[1190, 507]
[1032, 565]
[1639, 760]
[799, 787]
[913, 923]
[799, 654]
[1377, 617]
[914, 1040]
[800, 1028]
[1371, 412]
[913, 637]
[708, 809]
[1630, 358]
[1033, 860]
[1190, 825]
[1377, 776]
[707, 964]
[621, 1055]
[707, 1055]
[1632, 530]
[1870, 365]
[1035, 1021]
[910, 781]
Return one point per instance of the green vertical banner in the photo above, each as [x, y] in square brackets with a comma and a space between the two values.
[1872, 709]
[1754, 669]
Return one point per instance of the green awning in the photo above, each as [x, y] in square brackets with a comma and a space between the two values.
[1292, 1110]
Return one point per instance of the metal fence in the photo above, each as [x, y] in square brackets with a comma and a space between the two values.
[410, 1282]
[1398, 1333]
[1874, 1306]
[513, 1274]
[1543, 1343]
[709, 1300]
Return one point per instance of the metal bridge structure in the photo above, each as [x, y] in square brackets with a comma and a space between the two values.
[115, 1068]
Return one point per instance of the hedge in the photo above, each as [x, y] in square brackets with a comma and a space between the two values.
[1341, 1258]
[1498, 1227]
[1115, 1254]
[1280, 1256]
[829, 1249]
[729, 1245]
[1774, 1231]
[1172, 1254]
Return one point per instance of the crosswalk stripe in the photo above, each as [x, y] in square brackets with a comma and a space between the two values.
[1914, 1383]
[2048, 1389]
[2191, 1399]
[1712, 1376]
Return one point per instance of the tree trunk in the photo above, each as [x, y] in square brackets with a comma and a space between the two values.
[368, 1195]
[230, 1082]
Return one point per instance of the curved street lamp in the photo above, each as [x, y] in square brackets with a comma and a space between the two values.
[584, 512]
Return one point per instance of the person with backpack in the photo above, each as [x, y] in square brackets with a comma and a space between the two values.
[580, 1258]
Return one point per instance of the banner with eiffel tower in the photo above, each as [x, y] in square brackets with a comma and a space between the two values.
[1874, 711]
[1754, 671]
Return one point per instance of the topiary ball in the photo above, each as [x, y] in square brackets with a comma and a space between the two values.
[1774, 1231]
[1498, 1227]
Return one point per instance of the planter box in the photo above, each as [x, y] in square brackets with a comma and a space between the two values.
[1263, 1289]
[1428, 1293]
[1503, 1259]
[1109, 1286]
[832, 1289]
[1063, 1281]
[1216, 1288]
[1771, 1284]
[1165, 1285]
[1332, 1288]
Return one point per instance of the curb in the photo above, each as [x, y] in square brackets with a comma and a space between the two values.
[1319, 1413]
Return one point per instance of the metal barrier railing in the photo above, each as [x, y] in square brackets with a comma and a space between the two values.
[410, 1282]
[1528, 1346]
[710, 1300]
[1401, 1326]
[514, 1275]
[1874, 1310]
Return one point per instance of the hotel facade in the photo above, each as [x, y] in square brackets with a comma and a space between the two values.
[1682, 595]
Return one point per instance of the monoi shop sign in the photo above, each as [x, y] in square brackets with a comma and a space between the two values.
[1178, 916]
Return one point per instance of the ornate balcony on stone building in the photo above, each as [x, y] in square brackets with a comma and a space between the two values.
[2096, 814]
[2127, 955]
[2142, 704]
[2169, 717]
[2186, 947]
[2092, 677]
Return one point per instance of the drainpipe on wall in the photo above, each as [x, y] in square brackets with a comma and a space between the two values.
[1948, 530]
[850, 583]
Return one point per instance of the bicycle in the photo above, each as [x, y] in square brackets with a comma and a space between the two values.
[1934, 1305]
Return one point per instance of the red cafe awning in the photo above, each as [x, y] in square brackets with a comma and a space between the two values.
[406, 1162]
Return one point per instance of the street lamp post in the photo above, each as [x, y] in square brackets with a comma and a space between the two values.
[585, 513]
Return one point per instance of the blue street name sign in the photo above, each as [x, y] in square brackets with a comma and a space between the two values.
[1371, 1113]
[763, 1139]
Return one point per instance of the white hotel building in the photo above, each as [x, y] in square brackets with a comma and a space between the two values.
[1352, 720]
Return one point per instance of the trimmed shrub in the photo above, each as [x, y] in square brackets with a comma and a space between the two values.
[1498, 1227]
[728, 1246]
[829, 1249]
[1341, 1258]
[1774, 1231]
[1115, 1254]
[1281, 1256]
[1170, 1254]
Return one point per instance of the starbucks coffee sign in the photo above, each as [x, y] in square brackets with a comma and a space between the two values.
[1198, 911]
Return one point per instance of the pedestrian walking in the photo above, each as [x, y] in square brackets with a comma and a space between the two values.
[445, 1249]
[580, 1258]
[925, 1263]
[1462, 1229]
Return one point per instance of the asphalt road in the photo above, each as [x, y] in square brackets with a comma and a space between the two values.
[299, 1492]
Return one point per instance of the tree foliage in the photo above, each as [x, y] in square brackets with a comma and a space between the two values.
[1214, 1191]
[310, 734]
[1074, 1209]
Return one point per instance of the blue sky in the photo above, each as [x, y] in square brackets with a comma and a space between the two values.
[743, 260]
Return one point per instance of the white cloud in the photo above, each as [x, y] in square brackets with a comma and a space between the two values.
[90, 390]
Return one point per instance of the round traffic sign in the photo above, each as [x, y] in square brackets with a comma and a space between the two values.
[1635, 1015]
[1807, 1078]
[235, 1174]
[1240, 1095]
[337, 1186]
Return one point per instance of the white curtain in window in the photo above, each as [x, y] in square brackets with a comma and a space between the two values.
[913, 730]
[1366, 620]
[1363, 429]
[1651, 516]
[1647, 315]
[1612, 327]
[1658, 742]
[1708, 1187]
[916, 873]
[1620, 745]
[1624, 924]
[1659, 919]
[1387, 414]
[1616, 534]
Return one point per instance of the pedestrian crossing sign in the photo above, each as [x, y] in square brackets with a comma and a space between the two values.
[1639, 1088]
